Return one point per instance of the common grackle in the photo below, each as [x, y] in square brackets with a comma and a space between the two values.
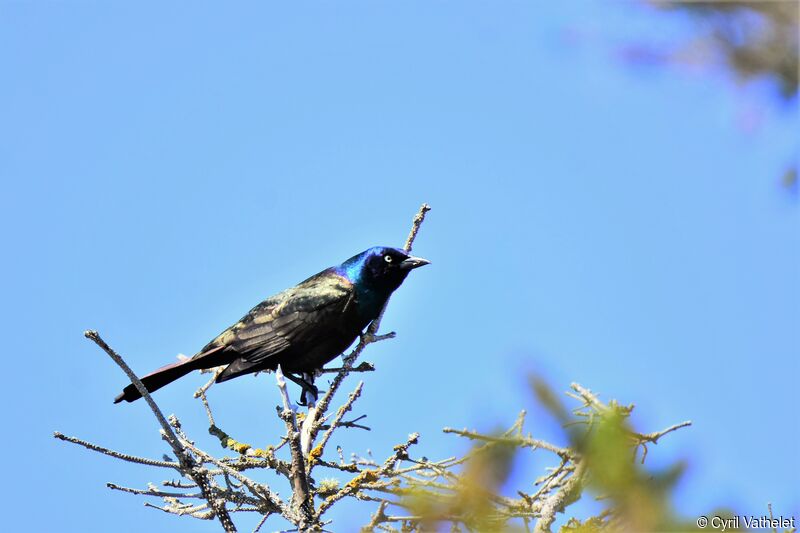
[301, 328]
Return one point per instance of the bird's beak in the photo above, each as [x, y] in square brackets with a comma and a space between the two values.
[413, 262]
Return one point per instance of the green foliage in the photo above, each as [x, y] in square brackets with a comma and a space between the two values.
[601, 461]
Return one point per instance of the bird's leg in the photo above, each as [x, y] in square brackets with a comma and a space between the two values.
[310, 395]
[307, 384]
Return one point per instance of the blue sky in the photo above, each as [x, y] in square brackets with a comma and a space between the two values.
[166, 167]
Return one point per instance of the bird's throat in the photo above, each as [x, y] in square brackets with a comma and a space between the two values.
[369, 302]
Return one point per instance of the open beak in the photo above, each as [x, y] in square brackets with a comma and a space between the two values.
[413, 262]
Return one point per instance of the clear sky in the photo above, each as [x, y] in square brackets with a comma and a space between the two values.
[164, 168]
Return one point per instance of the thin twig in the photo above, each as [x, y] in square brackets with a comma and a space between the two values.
[169, 434]
[643, 438]
[526, 442]
[260, 523]
[318, 450]
[365, 366]
[368, 477]
[153, 492]
[419, 218]
[312, 424]
[202, 390]
[115, 454]
[377, 518]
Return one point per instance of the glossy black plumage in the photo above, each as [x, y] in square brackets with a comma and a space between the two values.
[301, 328]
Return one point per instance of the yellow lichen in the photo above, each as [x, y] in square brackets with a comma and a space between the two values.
[227, 442]
[367, 476]
[314, 455]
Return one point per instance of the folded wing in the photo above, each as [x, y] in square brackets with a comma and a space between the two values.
[293, 321]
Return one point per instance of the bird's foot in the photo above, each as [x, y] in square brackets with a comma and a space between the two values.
[309, 396]
[310, 393]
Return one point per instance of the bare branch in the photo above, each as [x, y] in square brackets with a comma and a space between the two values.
[301, 500]
[202, 390]
[369, 476]
[258, 490]
[317, 452]
[115, 454]
[187, 462]
[643, 439]
[559, 500]
[154, 492]
[170, 436]
[415, 225]
[365, 366]
[312, 423]
[525, 442]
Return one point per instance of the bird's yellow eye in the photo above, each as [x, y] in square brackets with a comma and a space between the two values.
[387, 258]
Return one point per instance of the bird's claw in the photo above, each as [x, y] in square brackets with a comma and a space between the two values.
[309, 391]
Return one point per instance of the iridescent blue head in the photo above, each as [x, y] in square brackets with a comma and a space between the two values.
[376, 273]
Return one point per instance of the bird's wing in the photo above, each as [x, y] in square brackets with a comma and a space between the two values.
[286, 318]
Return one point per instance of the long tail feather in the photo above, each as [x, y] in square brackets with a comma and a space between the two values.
[167, 374]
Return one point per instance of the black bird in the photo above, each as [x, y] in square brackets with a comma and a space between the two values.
[301, 328]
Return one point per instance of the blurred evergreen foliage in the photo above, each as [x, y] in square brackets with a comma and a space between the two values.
[604, 459]
[751, 38]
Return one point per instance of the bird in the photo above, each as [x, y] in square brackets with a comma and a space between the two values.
[301, 328]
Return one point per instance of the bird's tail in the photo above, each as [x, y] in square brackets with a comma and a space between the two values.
[167, 374]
